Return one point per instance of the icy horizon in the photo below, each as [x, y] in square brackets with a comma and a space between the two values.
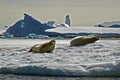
[29, 27]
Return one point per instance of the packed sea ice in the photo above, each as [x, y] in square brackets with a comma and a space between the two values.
[97, 59]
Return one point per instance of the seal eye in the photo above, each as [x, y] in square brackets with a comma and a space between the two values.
[96, 38]
[53, 41]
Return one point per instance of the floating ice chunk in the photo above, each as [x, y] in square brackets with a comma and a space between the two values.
[34, 36]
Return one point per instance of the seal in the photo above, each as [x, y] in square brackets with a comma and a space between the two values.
[79, 41]
[44, 47]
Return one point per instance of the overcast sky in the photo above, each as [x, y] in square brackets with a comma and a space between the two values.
[82, 12]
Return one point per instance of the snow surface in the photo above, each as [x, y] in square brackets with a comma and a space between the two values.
[85, 29]
[97, 59]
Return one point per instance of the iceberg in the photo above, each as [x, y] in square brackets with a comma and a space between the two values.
[29, 25]
[34, 36]
[67, 20]
[84, 31]
[112, 24]
[56, 24]
[26, 26]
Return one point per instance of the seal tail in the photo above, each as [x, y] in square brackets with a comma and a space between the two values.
[30, 50]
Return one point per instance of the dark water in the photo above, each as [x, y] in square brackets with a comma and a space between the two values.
[33, 77]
